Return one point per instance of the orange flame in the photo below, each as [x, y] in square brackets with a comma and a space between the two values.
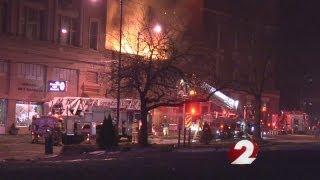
[133, 28]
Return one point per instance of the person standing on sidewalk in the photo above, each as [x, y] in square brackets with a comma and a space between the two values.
[48, 142]
[135, 131]
[123, 128]
[154, 132]
[165, 126]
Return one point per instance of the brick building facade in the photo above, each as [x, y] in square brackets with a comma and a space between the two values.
[240, 34]
[43, 41]
[244, 35]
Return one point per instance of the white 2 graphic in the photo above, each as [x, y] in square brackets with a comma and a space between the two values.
[244, 158]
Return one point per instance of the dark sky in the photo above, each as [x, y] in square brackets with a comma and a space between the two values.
[300, 33]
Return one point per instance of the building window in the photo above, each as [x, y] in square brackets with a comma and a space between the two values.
[25, 111]
[235, 45]
[3, 17]
[252, 75]
[252, 38]
[3, 67]
[236, 66]
[65, 74]
[93, 36]
[31, 71]
[68, 31]
[33, 23]
[67, 4]
[3, 111]
[92, 77]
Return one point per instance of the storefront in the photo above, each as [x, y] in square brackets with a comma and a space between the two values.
[3, 115]
[25, 111]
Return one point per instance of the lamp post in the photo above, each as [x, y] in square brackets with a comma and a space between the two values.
[138, 39]
[119, 71]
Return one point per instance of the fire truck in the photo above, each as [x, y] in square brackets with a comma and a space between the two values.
[47, 124]
[291, 122]
[84, 116]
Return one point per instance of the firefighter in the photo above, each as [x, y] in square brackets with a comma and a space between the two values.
[123, 128]
[48, 142]
[135, 130]
[165, 126]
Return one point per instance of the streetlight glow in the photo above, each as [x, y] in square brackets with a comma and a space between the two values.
[157, 28]
[64, 31]
[192, 92]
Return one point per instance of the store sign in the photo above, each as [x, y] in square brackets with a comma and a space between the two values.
[57, 86]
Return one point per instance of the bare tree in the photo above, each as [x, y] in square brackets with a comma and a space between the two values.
[155, 63]
[253, 80]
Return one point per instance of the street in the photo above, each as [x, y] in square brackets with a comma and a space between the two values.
[275, 162]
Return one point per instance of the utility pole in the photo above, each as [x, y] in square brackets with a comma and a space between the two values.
[119, 71]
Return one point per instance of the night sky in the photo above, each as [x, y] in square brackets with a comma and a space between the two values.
[299, 68]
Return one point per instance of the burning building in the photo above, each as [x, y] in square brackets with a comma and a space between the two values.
[138, 15]
[55, 48]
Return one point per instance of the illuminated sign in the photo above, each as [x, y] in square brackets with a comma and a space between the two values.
[57, 86]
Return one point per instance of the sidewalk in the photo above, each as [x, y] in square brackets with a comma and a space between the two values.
[20, 148]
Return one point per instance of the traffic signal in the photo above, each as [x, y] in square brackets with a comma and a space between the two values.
[193, 111]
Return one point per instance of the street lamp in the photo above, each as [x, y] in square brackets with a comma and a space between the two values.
[119, 71]
[64, 31]
[157, 29]
[192, 92]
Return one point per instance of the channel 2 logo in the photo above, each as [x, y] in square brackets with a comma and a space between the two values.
[243, 152]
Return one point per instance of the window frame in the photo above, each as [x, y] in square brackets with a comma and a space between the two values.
[30, 71]
[4, 67]
[91, 35]
[3, 16]
[72, 27]
[64, 74]
[88, 73]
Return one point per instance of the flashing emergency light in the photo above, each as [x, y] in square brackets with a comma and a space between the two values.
[192, 92]
[264, 109]
[193, 111]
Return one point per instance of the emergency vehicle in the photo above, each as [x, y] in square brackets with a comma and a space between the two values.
[47, 125]
[83, 115]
